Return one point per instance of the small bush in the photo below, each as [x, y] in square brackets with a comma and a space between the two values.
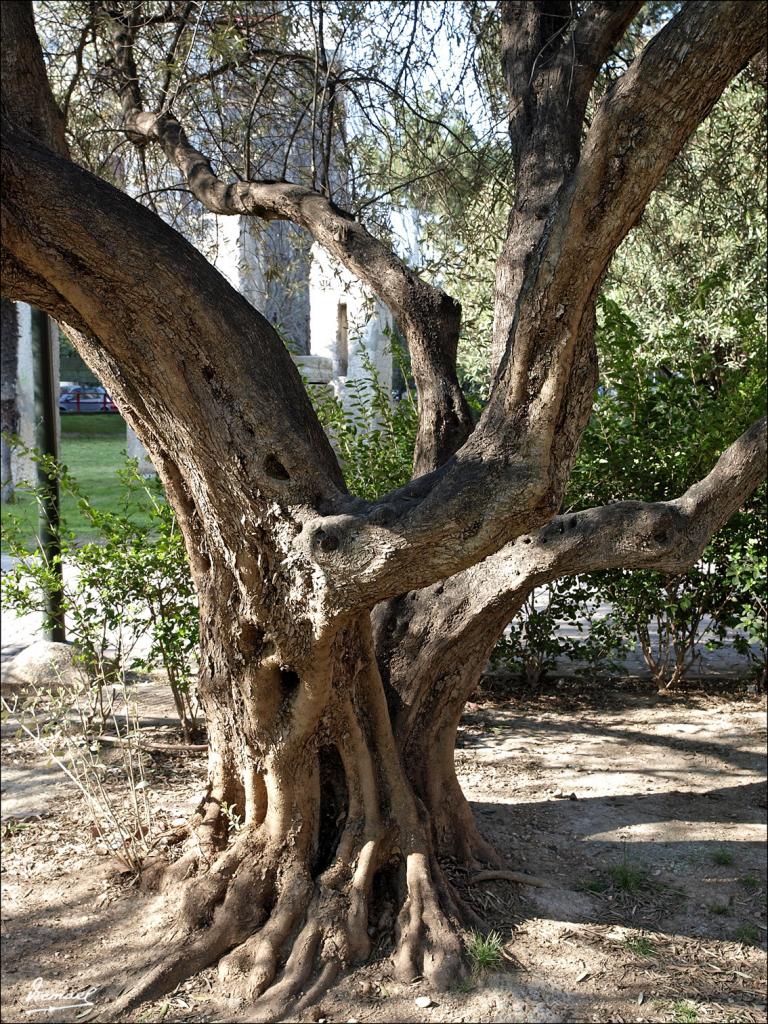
[748, 934]
[684, 1013]
[485, 952]
[628, 877]
[372, 435]
[534, 643]
[750, 882]
[722, 857]
[132, 584]
[118, 797]
[640, 945]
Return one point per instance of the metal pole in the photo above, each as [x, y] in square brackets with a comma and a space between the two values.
[44, 337]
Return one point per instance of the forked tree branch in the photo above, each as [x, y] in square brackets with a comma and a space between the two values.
[513, 469]
[598, 31]
[201, 376]
[640, 126]
[471, 610]
[668, 536]
[429, 318]
[126, 277]
[647, 115]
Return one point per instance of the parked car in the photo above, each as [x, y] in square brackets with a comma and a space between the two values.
[85, 398]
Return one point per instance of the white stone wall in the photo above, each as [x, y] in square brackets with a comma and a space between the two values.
[240, 258]
[315, 369]
[269, 265]
[337, 296]
[136, 450]
[22, 467]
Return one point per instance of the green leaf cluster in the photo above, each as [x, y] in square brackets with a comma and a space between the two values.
[372, 434]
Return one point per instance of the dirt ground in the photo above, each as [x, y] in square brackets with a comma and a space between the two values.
[646, 815]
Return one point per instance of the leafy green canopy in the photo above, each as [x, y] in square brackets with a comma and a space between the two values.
[682, 336]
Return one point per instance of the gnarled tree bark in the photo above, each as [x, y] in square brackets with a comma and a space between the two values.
[331, 741]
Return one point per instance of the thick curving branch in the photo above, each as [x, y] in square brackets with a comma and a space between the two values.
[429, 318]
[170, 354]
[640, 126]
[117, 276]
[196, 370]
[668, 536]
[645, 118]
[550, 58]
[470, 611]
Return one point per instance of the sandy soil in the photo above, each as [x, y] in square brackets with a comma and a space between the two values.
[645, 813]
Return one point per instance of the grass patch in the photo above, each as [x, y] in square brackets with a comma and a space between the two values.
[485, 952]
[719, 908]
[466, 985]
[92, 425]
[629, 877]
[93, 449]
[684, 1013]
[750, 882]
[748, 934]
[722, 857]
[640, 945]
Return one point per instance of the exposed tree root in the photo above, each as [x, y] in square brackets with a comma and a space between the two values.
[287, 903]
[426, 942]
[511, 876]
[281, 937]
[218, 909]
[203, 837]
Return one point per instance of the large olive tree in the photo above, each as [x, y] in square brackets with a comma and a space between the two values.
[341, 638]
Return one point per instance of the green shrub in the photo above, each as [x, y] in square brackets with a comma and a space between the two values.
[532, 644]
[131, 584]
[486, 952]
[666, 408]
[373, 436]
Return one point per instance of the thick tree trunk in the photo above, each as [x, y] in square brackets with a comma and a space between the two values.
[308, 802]
[432, 648]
